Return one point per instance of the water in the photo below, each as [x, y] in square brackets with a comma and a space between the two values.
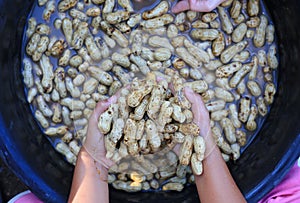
[140, 7]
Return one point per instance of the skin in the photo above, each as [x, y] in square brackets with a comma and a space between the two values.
[91, 171]
[88, 185]
[89, 179]
[196, 5]
[216, 179]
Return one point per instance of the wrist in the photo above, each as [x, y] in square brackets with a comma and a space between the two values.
[92, 164]
[84, 156]
[210, 143]
[102, 171]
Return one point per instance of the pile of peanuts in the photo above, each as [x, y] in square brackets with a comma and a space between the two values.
[148, 119]
[81, 52]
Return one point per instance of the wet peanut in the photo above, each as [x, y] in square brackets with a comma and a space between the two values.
[235, 9]
[159, 10]
[254, 88]
[231, 51]
[259, 37]
[253, 7]
[239, 75]
[187, 57]
[220, 141]
[234, 116]
[271, 57]
[229, 130]
[215, 105]
[49, 10]
[228, 70]
[204, 34]
[152, 134]
[251, 124]
[269, 93]
[244, 109]
[186, 150]
[225, 21]
[157, 22]
[239, 32]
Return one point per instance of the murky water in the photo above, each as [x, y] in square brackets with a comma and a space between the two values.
[141, 6]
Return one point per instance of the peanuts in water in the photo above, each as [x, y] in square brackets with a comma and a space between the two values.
[217, 61]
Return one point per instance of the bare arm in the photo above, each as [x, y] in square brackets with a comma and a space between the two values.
[89, 183]
[216, 183]
[91, 171]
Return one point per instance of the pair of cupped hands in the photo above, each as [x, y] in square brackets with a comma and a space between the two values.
[94, 143]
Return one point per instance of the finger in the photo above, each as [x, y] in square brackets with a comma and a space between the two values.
[204, 5]
[201, 115]
[201, 6]
[176, 149]
[107, 163]
[181, 6]
[194, 98]
[171, 87]
[159, 78]
[190, 95]
[113, 99]
[127, 87]
[196, 102]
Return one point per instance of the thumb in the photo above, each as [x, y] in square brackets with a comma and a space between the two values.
[103, 105]
[190, 94]
[176, 149]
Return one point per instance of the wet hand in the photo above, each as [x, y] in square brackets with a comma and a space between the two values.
[201, 115]
[196, 5]
[94, 142]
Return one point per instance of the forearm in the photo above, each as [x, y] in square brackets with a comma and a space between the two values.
[216, 183]
[89, 180]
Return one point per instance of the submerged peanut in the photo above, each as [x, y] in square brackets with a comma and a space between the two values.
[159, 10]
[157, 21]
[231, 51]
[244, 109]
[251, 124]
[253, 7]
[226, 23]
[66, 4]
[152, 134]
[186, 150]
[205, 34]
[269, 93]
[259, 37]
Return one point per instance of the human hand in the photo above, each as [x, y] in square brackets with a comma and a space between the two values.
[202, 119]
[201, 115]
[94, 142]
[196, 5]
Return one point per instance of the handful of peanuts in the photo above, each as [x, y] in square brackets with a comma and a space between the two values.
[78, 53]
[148, 118]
